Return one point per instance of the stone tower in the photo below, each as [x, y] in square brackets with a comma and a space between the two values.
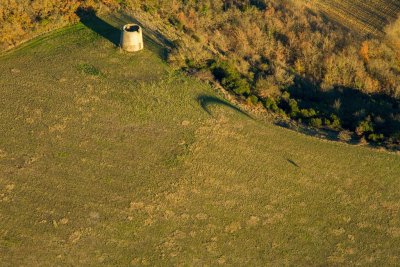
[132, 38]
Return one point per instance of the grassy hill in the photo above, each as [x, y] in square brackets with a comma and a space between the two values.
[365, 17]
[109, 158]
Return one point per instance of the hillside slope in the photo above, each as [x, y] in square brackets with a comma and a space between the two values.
[108, 158]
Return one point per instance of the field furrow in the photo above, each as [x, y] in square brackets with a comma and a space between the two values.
[364, 17]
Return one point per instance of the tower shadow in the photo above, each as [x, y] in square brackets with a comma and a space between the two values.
[206, 100]
[89, 18]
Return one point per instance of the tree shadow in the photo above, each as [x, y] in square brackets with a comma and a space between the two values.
[351, 106]
[206, 100]
[89, 18]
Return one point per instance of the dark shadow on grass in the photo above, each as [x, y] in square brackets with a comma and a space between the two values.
[293, 163]
[351, 106]
[206, 100]
[89, 18]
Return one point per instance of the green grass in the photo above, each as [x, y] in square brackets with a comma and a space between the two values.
[129, 168]
[88, 69]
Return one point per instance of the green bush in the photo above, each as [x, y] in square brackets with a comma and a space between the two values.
[307, 113]
[281, 112]
[335, 122]
[239, 86]
[327, 122]
[230, 78]
[377, 138]
[285, 95]
[294, 108]
[252, 100]
[316, 122]
[271, 104]
[365, 126]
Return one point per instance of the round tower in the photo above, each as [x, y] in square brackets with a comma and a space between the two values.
[132, 38]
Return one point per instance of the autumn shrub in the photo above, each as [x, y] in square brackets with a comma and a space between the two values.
[375, 137]
[345, 135]
[267, 87]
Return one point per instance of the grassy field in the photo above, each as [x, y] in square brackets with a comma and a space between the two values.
[366, 17]
[109, 158]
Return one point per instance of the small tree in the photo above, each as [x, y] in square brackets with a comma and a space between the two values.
[364, 126]
[316, 122]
